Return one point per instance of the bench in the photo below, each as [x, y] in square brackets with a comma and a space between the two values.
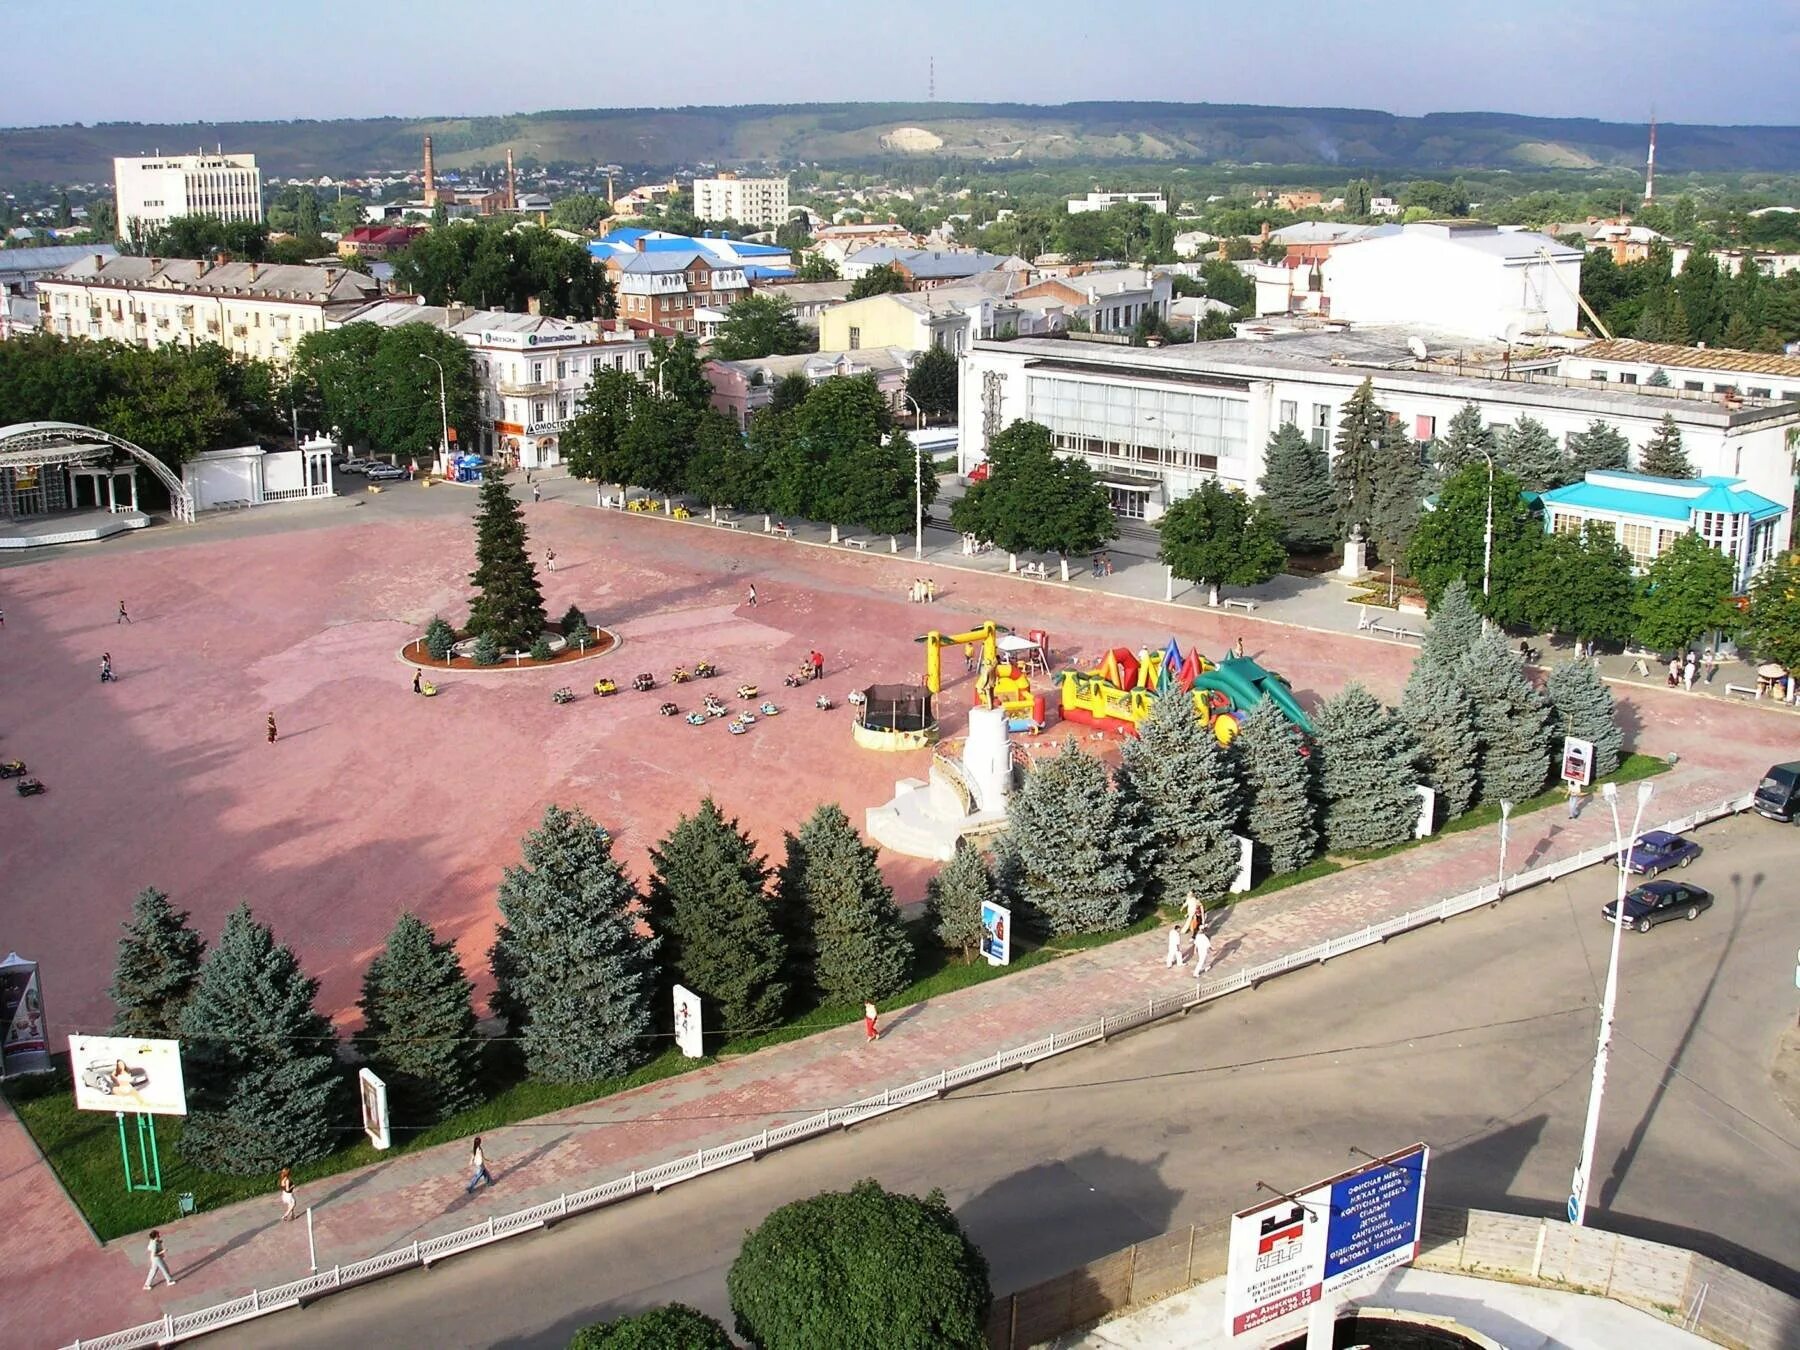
[785, 531]
[727, 522]
[1237, 603]
[1391, 630]
[847, 542]
[1039, 570]
[1743, 689]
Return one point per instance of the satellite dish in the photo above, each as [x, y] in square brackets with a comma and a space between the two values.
[1416, 345]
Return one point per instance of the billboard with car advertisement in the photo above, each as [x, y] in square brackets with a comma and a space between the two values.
[127, 1073]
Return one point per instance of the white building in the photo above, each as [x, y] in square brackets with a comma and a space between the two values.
[1383, 206]
[1717, 372]
[248, 475]
[1460, 277]
[530, 372]
[250, 309]
[1156, 423]
[1105, 201]
[1109, 300]
[749, 201]
[155, 189]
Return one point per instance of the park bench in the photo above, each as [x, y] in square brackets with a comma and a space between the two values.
[1237, 602]
[1743, 689]
[848, 542]
[728, 522]
[1039, 570]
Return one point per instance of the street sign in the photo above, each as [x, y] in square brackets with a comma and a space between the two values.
[1574, 1208]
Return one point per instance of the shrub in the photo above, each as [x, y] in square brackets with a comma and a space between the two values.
[572, 619]
[487, 651]
[540, 650]
[674, 1326]
[439, 638]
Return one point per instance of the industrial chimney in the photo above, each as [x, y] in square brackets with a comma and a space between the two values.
[512, 194]
[431, 197]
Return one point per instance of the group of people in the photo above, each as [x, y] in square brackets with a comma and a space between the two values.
[923, 591]
[1102, 564]
[1188, 938]
[1682, 670]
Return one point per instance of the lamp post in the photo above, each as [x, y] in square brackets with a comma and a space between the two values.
[918, 483]
[1505, 823]
[1487, 538]
[444, 413]
[1584, 1167]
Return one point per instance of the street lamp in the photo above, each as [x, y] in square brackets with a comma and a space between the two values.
[1505, 819]
[443, 412]
[1487, 538]
[918, 482]
[1584, 1167]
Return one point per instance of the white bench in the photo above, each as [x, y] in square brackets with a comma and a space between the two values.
[1238, 603]
[727, 522]
[1743, 689]
[1039, 570]
[785, 531]
[1391, 630]
[848, 542]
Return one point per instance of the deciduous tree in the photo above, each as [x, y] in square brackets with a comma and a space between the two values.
[1685, 593]
[759, 326]
[1034, 500]
[1773, 630]
[1450, 543]
[932, 382]
[882, 280]
[1215, 537]
[1580, 585]
[674, 1326]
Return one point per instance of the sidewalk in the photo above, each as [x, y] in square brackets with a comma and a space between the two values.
[80, 1290]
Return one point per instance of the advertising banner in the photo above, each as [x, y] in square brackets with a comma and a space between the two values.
[1375, 1217]
[24, 1040]
[996, 933]
[127, 1073]
[1578, 761]
[1276, 1257]
[688, 1036]
[373, 1094]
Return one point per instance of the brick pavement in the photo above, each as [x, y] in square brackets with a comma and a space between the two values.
[69, 1287]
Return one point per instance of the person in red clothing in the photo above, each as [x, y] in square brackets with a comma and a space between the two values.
[817, 660]
[869, 1028]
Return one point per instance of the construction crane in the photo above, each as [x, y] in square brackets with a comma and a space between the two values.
[1586, 308]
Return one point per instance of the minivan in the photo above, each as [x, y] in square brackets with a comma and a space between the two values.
[1778, 795]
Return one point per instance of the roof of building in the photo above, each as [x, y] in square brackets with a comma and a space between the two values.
[1639, 494]
[1629, 350]
[473, 324]
[928, 263]
[1473, 234]
[50, 258]
[663, 260]
[1112, 281]
[809, 292]
[1329, 232]
[820, 365]
[390, 235]
[269, 281]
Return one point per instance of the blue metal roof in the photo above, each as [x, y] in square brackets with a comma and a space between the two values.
[1703, 494]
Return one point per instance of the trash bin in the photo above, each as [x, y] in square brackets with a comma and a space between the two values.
[186, 1201]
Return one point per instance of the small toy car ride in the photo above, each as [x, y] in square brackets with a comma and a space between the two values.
[13, 768]
[563, 695]
[769, 710]
[669, 710]
[29, 787]
[746, 691]
[823, 703]
[605, 686]
[705, 670]
[642, 681]
[696, 719]
[681, 675]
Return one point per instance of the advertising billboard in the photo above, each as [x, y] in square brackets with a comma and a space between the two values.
[688, 1038]
[372, 1092]
[1578, 761]
[24, 1040]
[996, 933]
[1290, 1253]
[127, 1073]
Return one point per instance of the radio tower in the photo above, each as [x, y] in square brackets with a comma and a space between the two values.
[1650, 164]
[931, 80]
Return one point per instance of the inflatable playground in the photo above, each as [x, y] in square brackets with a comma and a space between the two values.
[1003, 663]
[1118, 694]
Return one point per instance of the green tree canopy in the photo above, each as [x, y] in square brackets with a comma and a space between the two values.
[1216, 536]
[1773, 630]
[1583, 707]
[862, 1267]
[882, 280]
[1663, 455]
[1580, 585]
[1282, 815]
[1441, 720]
[1184, 786]
[860, 949]
[379, 387]
[816, 267]
[1296, 486]
[674, 1326]
[1366, 774]
[1600, 446]
[953, 901]
[1450, 543]
[1034, 500]
[759, 326]
[593, 440]
[1685, 593]
[157, 968]
[581, 212]
[932, 382]
[1467, 440]
[1512, 718]
[503, 264]
[1079, 845]
[1376, 475]
[1530, 454]
[418, 1025]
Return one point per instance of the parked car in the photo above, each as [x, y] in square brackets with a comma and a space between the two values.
[384, 472]
[1778, 795]
[101, 1075]
[355, 465]
[1658, 901]
[1658, 851]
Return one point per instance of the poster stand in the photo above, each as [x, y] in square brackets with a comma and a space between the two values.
[148, 1175]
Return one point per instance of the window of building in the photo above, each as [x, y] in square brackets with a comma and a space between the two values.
[1725, 389]
[537, 410]
[1628, 377]
[1599, 375]
[537, 372]
[1424, 429]
[562, 370]
[856, 339]
[1757, 393]
[1639, 541]
[1694, 386]
[1791, 395]
[1321, 425]
[1290, 412]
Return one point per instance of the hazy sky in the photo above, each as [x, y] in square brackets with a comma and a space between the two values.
[1722, 61]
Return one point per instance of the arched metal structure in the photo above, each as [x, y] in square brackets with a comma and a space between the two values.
[28, 443]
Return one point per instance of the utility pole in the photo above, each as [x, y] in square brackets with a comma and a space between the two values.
[918, 483]
[444, 413]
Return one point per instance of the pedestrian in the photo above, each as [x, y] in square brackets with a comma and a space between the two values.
[1176, 956]
[1106, 561]
[106, 668]
[931, 590]
[478, 1168]
[1709, 664]
[871, 1032]
[968, 658]
[550, 559]
[753, 595]
[2, 618]
[1674, 671]
[158, 1266]
[1202, 954]
[1687, 672]
[818, 664]
[123, 616]
[271, 728]
[1193, 913]
[287, 1194]
[1237, 648]
[1574, 800]
[537, 492]
[417, 676]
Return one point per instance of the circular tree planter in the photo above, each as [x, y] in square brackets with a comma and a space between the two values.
[601, 642]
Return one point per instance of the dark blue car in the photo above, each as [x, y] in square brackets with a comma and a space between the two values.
[1658, 851]
[1659, 901]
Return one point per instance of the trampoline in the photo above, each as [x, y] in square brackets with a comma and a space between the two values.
[896, 717]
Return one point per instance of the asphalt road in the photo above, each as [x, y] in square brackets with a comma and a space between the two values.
[1476, 1036]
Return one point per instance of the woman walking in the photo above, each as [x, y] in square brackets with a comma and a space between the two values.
[870, 1031]
[287, 1195]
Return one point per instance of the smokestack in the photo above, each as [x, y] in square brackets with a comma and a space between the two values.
[430, 176]
[512, 194]
[1650, 165]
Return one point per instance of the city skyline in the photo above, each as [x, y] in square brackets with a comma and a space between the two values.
[1605, 60]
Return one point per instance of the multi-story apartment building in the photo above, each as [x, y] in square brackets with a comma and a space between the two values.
[1105, 201]
[250, 309]
[670, 287]
[152, 190]
[762, 202]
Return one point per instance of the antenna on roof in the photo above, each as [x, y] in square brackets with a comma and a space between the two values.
[1416, 345]
[931, 79]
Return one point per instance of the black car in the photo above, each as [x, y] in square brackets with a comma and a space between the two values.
[1657, 901]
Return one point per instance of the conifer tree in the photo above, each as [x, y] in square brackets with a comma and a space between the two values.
[1296, 484]
[508, 606]
[157, 968]
[1602, 446]
[418, 1026]
[1467, 440]
[1530, 454]
[1584, 708]
[953, 901]
[1662, 455]
[1282, 818]
[263, 1083]
[861, 950]
[1355, 470]
[1399, 492]
[573, 977]
[1512, 719]
[1184, 787]
[708, 901]
[1079, 845]
[1366, 774]
[1441, 719]
[1454, 627]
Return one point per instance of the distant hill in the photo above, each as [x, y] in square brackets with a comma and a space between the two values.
[1197, 133]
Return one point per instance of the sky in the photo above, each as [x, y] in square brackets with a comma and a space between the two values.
[1719, 61]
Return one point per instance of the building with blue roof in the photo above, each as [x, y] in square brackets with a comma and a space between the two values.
[1648, 514]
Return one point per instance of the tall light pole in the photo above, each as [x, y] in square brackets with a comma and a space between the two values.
[1505, 821]
[444, 413]
[1584, 1167]
[1487, 537]
[918, 482]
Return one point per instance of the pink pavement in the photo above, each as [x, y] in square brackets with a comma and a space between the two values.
[374, 800]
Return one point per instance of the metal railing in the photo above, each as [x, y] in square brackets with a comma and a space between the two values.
[257, 1303]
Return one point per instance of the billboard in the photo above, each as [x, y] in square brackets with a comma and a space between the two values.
[373, 1094]
[127, 1073]
[24, 1040]
[996, 933]
[688, 1037]
[1578, 761]
[1289, 1254]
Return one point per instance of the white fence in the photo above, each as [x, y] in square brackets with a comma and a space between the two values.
[257, 1303]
